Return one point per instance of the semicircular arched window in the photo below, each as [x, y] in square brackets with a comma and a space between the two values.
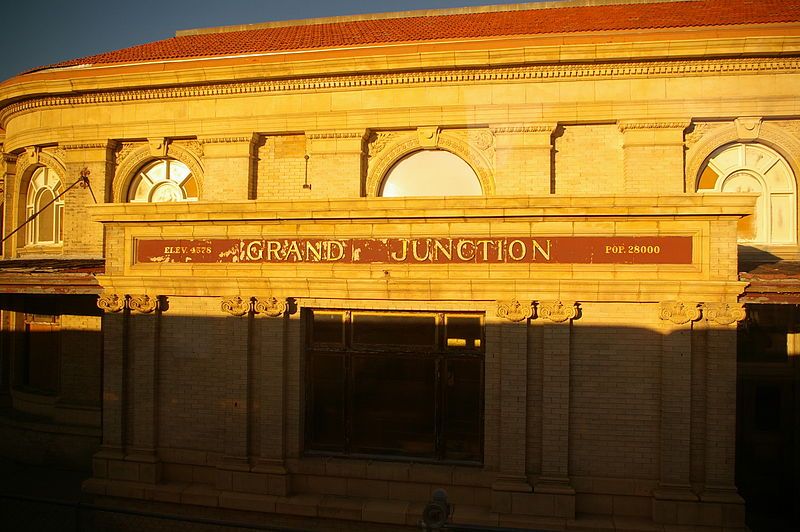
[431, 173]
[162, 181]
[756, 168]
[47, 227]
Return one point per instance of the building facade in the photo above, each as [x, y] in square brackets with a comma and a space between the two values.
[323, 268]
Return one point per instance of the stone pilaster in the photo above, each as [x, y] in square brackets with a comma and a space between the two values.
[236, 402]
[721, 401]
[8, 191]
[523, 155]
[507, 337]
[677, 318]
[557, 322]
[114, 322]
[271, 322]
[653, 156]
[143, 347]
[334, 157]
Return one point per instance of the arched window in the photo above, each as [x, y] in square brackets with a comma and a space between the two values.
[431, 173]
[47, 227]
[760, 169]
[163, 180]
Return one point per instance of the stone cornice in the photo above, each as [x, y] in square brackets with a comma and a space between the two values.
[677, 68]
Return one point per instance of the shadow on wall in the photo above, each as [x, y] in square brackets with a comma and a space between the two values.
[427, 387]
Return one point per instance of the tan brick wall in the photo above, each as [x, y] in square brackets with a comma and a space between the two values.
[194, 353]
[615, 388]
[589, 160]
[281, 168]
[81, 352]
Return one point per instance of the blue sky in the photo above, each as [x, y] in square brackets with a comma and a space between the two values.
[49, 31]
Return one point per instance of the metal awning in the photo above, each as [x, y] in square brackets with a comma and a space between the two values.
[50, 276]
[777, 282]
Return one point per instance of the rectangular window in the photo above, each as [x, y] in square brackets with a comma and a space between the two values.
[403, 384]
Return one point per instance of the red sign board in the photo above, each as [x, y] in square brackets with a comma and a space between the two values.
[462, 250]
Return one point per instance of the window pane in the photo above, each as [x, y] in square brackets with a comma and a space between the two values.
[394, 329]
[431, 173]
[327, 328]
[463, 332]
[394, 405]
[462, 411]
[326, 416]
[46, 218]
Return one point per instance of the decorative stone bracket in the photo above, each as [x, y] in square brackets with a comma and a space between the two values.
[141, 303]
[679, 312]
[555, 311]
[268, 306]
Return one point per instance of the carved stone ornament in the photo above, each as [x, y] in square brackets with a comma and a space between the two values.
[679, 312]
[158, 147]
[748, 128]
[143, 303]
[235, 306]
[378, 140]
[270, 306]
[428, 137]
[514, 310]
[557, 312]
[111, 302]
[724, 313]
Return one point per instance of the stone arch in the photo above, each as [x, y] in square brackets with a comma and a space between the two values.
[780, 140]
[402, 144]
[141, 155]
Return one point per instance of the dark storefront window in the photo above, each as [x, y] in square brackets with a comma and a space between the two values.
[396, 384]
[40, 370]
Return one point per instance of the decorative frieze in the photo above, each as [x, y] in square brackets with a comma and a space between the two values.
[724, 313]
[514, 311]
[633, 125]
[557, 311]
[679, 312]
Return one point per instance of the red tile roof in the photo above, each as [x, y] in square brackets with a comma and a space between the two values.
[543, 21]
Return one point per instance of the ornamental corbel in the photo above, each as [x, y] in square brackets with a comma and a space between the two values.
[514, 311]
[33, 153]
[679, 312]
[236, 305]
[724, 313]
[270, 306]
[144, 303]
[111, 302]
[557, 311]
